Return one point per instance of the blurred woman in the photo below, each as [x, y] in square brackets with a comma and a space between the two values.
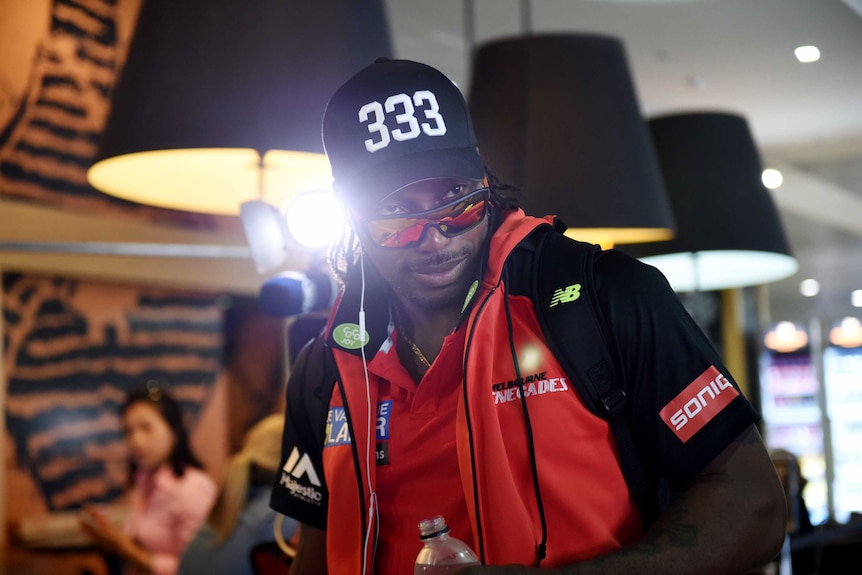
[242, 517]
[171, 494]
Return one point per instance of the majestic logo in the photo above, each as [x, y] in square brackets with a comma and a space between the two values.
[697, 404]
[566, 295]
[348, 336]
[295, 468]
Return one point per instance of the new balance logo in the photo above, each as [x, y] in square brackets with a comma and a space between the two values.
[297, 466]
[566, 295]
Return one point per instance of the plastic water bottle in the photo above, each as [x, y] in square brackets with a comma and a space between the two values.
[441, 553]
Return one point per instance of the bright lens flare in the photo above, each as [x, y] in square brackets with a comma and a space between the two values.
[314, 219]
[772, 178]
[530, 358]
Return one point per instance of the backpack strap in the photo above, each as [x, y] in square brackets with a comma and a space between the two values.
[569, 313]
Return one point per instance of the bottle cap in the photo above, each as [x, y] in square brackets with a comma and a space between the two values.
[433, 527]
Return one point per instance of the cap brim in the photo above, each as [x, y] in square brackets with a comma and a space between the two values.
[380, 181]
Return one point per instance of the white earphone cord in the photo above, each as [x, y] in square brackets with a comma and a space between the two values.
[372, 497]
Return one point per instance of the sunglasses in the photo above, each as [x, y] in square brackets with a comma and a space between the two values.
[406, 230]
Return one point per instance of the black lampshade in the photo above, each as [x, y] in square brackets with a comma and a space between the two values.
[241, 79]
[558, 117]
[729, 233]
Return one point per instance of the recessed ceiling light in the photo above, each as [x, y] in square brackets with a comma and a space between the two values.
[771, 178]
[809, 287]
[856, 298]
[806, 54]
[846, 334]
[697, 82]
[785, 337]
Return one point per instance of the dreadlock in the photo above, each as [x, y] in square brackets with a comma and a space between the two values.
[503, 195]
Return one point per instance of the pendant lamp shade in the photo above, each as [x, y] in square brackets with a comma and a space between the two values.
[214, 90]
[729, 234]
[557, 116]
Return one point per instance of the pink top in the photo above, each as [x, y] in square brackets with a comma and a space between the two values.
[166, 513]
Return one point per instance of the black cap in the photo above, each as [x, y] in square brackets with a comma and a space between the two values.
[394, 123]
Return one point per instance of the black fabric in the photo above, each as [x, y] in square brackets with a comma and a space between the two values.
[660, 351]
[309, 389]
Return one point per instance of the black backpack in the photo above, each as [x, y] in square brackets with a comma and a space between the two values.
[587, 354]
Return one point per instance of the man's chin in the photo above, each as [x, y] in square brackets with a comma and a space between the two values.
[449, 296]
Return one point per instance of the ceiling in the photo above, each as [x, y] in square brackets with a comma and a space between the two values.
[716, 55]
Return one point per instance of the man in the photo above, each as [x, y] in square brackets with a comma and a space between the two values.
[434, 392]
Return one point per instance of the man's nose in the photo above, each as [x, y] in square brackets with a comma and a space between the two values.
[432, 239]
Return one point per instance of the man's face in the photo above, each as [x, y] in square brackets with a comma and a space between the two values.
[425, 239]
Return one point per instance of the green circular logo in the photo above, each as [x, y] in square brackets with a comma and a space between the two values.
[347, 335]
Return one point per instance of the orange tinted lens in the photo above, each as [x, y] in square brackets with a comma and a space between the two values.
[392, 237]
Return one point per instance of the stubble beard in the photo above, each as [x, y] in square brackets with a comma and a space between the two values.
[450, 297]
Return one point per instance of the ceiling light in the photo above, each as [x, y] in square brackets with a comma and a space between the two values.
[806, 54]
[785, 337]
[847, 334]
[557, 116]
[209, 180]
[219, 102]
[729, 233]
[856, 298]
[772, 178]
[809, 287]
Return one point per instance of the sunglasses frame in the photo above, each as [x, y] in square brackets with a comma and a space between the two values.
[484, 192]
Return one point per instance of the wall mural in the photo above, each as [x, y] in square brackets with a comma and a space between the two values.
[53, 115]
[73, 350]
[52, 137]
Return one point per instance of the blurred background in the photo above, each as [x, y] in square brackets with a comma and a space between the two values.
[165, 276]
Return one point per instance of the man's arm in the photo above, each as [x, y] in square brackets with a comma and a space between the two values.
[730, 520]
[311, 553]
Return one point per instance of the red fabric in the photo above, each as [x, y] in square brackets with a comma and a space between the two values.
[422, 444]
[268, 559]
[586, 502]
